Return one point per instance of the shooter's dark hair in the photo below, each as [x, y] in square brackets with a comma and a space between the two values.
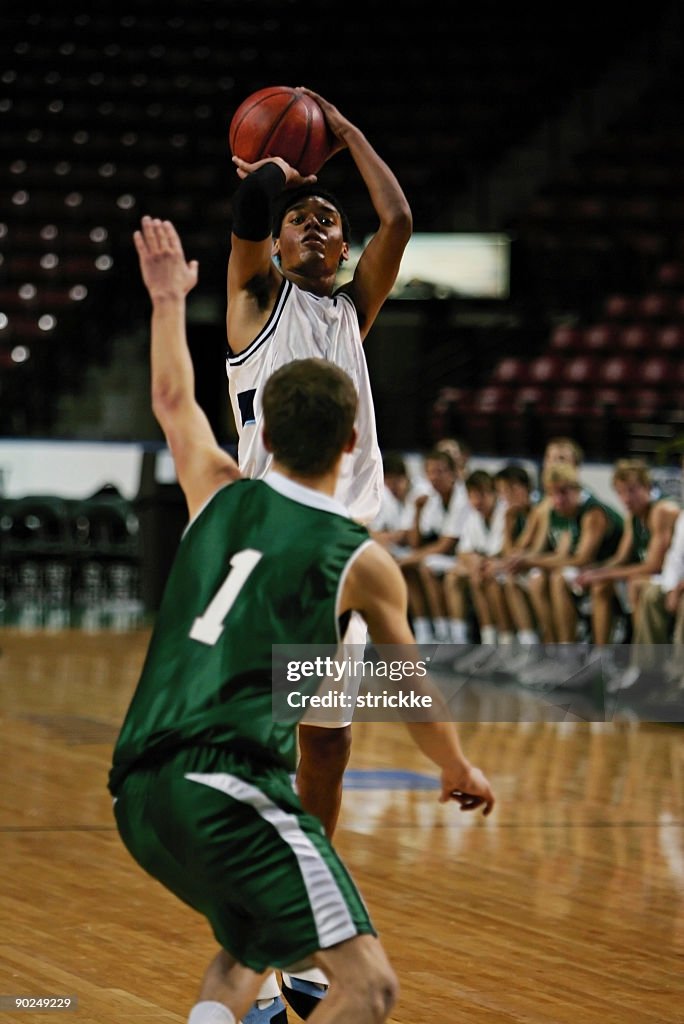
[293, 197]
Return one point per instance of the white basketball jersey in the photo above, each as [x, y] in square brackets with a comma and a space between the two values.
[305, 326]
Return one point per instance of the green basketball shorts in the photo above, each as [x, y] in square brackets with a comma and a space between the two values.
[232, 840]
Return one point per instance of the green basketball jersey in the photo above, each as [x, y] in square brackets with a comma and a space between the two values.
[261, 564]
[558, 525]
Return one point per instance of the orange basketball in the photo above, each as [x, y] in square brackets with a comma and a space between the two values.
[281, 121]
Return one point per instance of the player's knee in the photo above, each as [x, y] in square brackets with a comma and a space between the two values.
[651, 596]
[374, 994]
[383, 995]
[558, 582]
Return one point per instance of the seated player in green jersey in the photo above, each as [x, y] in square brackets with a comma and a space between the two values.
[640, 555]
[201, 770]
[581, 531]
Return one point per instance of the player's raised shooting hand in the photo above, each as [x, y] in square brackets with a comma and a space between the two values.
[337, 123]
[293, 179]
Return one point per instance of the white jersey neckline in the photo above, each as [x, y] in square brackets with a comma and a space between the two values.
[304, 495]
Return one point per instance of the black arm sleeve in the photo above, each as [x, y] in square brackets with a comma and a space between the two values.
[252, 202]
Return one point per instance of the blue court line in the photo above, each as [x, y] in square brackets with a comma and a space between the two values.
[388, 779]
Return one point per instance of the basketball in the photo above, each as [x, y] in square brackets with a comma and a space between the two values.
[284, 122]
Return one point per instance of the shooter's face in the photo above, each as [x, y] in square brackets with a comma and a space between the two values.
[311, 234]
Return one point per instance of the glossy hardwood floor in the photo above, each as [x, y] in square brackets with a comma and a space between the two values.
[567, 905]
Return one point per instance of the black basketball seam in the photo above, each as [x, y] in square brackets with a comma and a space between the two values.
[276, 124]
[307, 134]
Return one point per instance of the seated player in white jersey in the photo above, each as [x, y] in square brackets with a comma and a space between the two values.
[289, 239]
[200, 771]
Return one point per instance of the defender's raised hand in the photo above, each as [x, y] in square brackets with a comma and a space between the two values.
[164, 269]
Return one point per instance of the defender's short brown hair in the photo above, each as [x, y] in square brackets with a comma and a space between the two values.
[309, 410]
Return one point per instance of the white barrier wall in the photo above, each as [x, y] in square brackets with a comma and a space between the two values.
[76, 469]
[68, 469]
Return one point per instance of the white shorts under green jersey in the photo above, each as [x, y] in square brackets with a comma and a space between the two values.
[305, 326]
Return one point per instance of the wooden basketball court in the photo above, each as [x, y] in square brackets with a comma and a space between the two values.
[567, 905]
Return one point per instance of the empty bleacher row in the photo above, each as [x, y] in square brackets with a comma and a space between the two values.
[67, 562]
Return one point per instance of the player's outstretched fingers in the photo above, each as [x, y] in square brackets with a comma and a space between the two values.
[160, 236]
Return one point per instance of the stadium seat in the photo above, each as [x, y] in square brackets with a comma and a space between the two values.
[600, 337]
[618, 371]
[670, 339]
[670, 275]
[580, 369]
[636, 338]
[528, 397]
[657, 371]
[544, 369]
[618, 307]
[491, 400]
[640, 403]
[37, 555]
[510, 370]
[654, 306]
[603, 399]
[565, 338]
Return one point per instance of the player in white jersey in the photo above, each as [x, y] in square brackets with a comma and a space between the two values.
[288, 242]
[303, 325]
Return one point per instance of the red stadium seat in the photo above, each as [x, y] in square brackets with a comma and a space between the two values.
[565, 338]
[570, 400]
[637, 338]
[544, 369]
[580, 370]
[618, 371]
[657, 371]
[509, 370]
[491, 400]
[603, 399]
[618, 307]
[655, 306]
[670, 339]
[528, 397]
[671, 274]
[638, 403]
[600, 337]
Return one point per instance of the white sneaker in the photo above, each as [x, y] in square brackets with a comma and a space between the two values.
[474, 660]
[521, 658]
[546, 672]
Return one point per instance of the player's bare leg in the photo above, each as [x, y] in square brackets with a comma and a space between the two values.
[324, 754]
[541, 603]
[602, 594]
[227, 991]
[501, 615]
[564, 612]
